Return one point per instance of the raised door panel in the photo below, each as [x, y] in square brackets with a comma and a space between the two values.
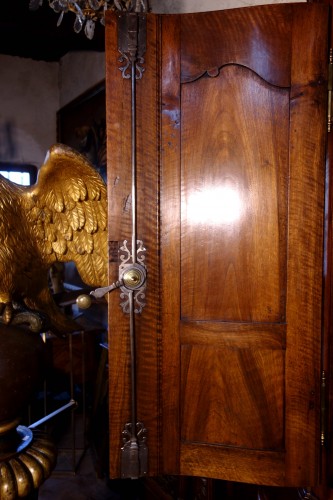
[234, 198]
[233, 258]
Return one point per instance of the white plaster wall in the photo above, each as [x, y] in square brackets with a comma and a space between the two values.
[31, 93]
[78, 72]
[29, 100]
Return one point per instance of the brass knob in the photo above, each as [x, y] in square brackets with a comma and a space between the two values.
[134, 276]
[83, 301]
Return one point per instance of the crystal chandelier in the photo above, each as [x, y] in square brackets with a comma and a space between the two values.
[88, 12]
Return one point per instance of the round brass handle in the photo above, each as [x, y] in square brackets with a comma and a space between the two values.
[134, 276]
[83, 301]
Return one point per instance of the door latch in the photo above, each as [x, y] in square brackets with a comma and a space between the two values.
[132, 277]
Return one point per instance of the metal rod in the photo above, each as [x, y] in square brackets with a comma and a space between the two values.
[130, 294]
[134, 454]
[45, 381]
[133, 367]
[83, 369]
[53, 414]
[133, 155]
[71, 381]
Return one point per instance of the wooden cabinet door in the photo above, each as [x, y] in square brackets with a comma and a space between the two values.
[230, 136]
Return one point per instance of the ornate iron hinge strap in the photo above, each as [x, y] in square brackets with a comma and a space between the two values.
[132, 43]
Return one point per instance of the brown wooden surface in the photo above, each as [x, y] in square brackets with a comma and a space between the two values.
[235, 133]
[119, 188]
[260, 55]
[147, 323]
[169, 250]
[305, 265]
[240, 244]
[229, 349]
[326, 473]
[120, 229]
[327, 450]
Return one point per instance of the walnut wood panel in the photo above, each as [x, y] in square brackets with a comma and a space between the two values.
[234, 198]
[266, 160]
[305, 242]
[267, 27]
[237, 465]
[147, 323]
[228, 334]
[237, 397]
[169, 249]
[233, 253]
[229, 347]
[120, 229]
[119, 189]
[326, 491]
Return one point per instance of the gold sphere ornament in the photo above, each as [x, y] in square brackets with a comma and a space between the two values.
[83, 301]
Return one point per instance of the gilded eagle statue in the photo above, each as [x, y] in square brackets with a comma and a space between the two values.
[61, 218]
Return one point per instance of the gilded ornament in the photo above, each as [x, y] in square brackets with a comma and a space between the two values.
[62, 218]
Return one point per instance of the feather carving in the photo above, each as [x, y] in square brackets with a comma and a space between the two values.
[61, 218]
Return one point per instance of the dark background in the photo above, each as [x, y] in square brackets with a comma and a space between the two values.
[34, 34]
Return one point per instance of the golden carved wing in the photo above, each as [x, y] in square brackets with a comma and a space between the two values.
[67, 209]
[62, 218]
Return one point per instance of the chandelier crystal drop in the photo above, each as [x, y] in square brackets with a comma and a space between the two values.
[89, 12]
